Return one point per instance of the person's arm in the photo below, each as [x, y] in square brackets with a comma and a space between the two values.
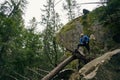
[81, 41]
[86, 39]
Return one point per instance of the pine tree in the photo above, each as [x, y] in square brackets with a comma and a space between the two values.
[70, 7]
[52, 24]
[11, 27]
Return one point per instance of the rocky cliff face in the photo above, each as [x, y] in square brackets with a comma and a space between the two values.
[103, 38]
[69, 34]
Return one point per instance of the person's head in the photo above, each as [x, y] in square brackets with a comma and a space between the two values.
[81, 35]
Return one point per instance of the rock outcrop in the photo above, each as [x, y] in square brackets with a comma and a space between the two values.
[102, 39]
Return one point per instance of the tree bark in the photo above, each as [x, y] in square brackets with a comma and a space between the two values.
[59, 68]
[75, 55]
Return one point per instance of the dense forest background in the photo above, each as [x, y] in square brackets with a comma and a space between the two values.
[29, 55]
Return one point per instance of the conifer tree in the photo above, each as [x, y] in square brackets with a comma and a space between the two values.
[11, 27]
[70, 6]
[51, 22]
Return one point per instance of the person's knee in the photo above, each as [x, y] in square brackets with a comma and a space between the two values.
[78, 45]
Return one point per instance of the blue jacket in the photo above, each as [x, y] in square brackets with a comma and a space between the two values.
[84, 39]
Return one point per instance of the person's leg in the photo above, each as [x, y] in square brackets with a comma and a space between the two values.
[87, 47]
[79, 65]
[79, 46]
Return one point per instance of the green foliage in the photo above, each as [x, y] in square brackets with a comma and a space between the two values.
[111, 16]
[51, 49]
[70, 6]
[20, 48]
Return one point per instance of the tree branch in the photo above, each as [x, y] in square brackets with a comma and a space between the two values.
[12, 77]
[43, 70]
[21, 76]
[35, 71]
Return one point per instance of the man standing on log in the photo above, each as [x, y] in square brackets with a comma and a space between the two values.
[84, 41]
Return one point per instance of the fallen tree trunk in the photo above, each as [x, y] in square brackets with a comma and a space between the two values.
[75, 55]
[105, 67]
[59, 68]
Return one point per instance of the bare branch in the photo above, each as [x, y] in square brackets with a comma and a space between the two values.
[12, 77]
[21, 76]
[93, 3]
[35, 72]
[43, 70]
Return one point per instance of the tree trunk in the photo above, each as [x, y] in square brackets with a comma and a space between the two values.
[59, 68]
[75, 55]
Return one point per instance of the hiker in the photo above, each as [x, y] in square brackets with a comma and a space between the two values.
[84, 41]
